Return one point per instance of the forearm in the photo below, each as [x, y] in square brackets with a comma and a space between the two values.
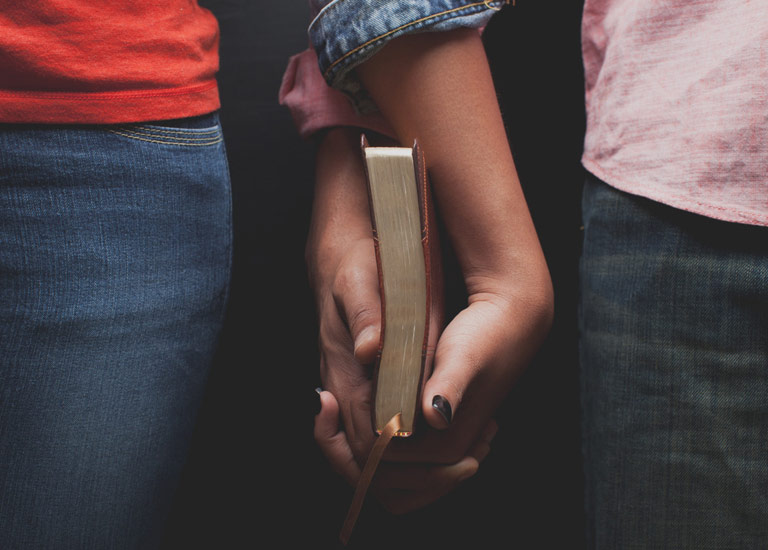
[437, 87]
[340, 211]
[340, 208]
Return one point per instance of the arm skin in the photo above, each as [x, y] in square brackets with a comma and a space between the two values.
[437, 87]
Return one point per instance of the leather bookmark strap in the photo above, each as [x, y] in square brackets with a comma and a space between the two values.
[391, 428]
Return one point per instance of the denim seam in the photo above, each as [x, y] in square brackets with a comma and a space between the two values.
[178, 136]
[168, 130]
[168, 141]
[486, 3]
[230, 245]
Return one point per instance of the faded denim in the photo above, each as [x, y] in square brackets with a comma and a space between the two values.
[674, 354]
[345, 33]
[115, 248]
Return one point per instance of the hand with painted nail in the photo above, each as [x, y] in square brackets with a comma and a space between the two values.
[342, 270]
[400, 487]
[435, 87]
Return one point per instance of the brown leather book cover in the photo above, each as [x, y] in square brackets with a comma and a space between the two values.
[433, 308]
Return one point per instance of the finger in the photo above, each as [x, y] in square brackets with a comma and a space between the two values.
[438, 450]
[348, 381]
[482, 446]
[445, 446]
[406, 487]
[356, 292]
[425, 477]
[399, 497]
[333, 442]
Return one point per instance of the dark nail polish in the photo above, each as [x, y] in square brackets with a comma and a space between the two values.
[441, 405]
[319, 403]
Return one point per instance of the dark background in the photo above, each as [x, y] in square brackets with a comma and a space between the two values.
[254, 476]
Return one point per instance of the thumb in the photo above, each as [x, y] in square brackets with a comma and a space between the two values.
[327, 420]
[356, 293]
[332, 441]
[463, 352]
[443, 394]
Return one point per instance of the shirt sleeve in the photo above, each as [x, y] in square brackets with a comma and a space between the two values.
[344, 33]
[315, 106]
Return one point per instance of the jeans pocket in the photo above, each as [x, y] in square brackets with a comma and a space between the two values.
[170, 135]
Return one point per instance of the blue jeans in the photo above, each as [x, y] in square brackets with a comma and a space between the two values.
[115, 248]
[674, 354]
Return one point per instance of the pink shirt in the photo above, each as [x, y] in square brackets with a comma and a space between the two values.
[676, 99]
[677, 102]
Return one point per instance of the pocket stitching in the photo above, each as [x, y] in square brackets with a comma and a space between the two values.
[177, 137]
[213, 140]
[173, 130]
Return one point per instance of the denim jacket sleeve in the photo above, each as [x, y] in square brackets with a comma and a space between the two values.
[345, 33]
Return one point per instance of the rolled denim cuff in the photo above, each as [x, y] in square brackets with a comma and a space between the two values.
[347, 32]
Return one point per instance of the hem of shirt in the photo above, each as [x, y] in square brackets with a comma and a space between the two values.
[681, 202]
[51, 107]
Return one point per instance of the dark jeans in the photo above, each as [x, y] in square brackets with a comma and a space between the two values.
[674, 353]
[115, 247]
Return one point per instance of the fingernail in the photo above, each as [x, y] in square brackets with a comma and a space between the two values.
[319, 403]
[363, 338]
[441, 405]
[364, 335]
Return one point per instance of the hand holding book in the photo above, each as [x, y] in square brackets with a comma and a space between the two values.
[343, 273]
[435, 86]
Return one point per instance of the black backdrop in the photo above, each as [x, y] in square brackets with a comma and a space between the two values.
[254, 477]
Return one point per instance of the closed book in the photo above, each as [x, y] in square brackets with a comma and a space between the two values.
[410, 280]
[407, 247]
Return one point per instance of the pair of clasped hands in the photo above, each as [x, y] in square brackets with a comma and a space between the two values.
[436, 86]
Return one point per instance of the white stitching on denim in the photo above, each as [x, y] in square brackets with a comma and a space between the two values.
[173, 130]
[176, 137]
[167, 142]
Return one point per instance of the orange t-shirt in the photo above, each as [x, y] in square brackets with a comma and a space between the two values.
[85, 61]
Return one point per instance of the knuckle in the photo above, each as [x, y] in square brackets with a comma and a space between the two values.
[355, 299]
[333, 342]
[363, 317]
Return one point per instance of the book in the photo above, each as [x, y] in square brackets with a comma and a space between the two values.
[403, 223]
[410, 280]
